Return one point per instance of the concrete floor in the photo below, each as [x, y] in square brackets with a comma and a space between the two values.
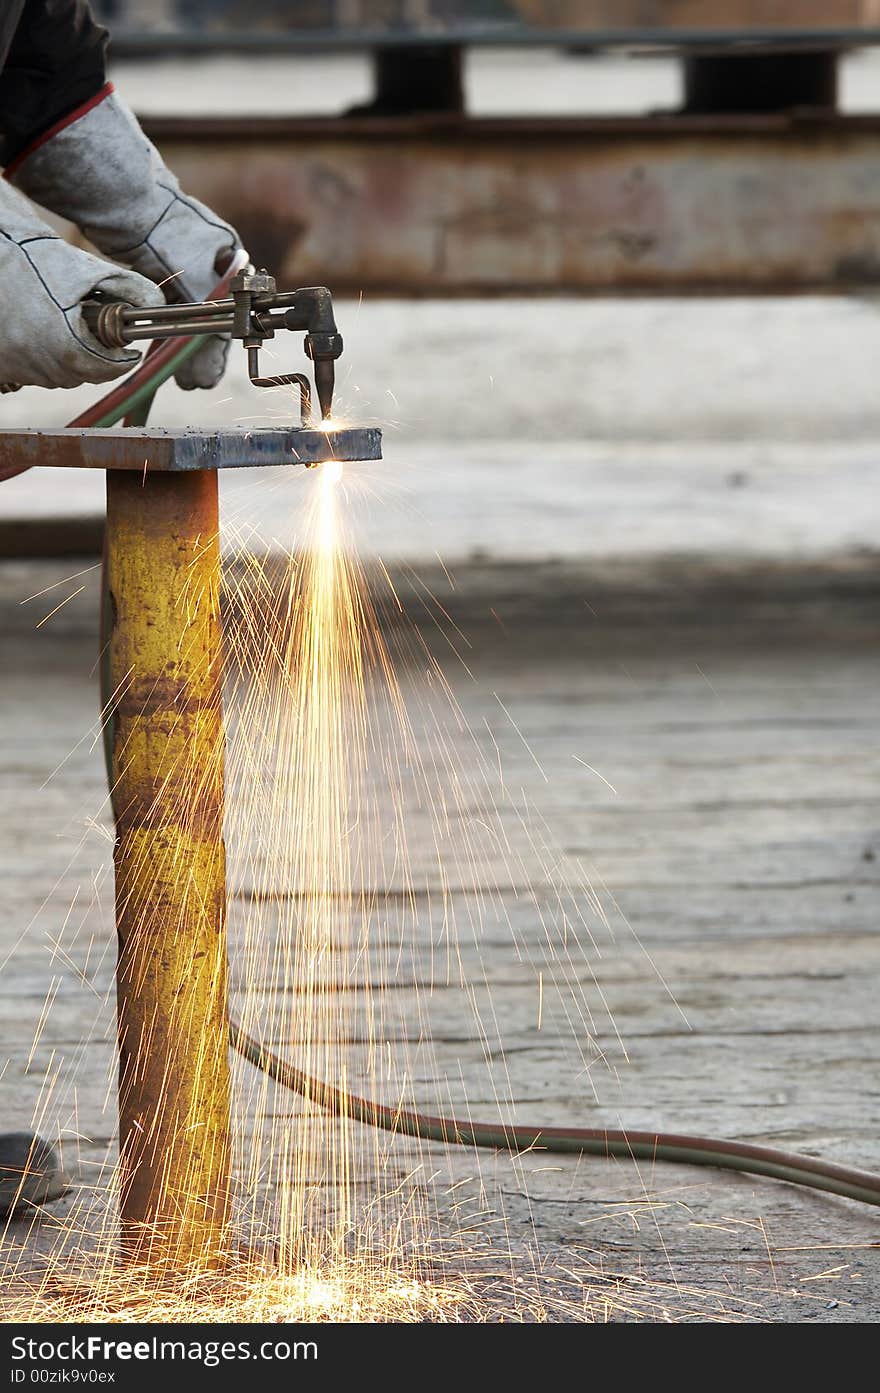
[733, 991]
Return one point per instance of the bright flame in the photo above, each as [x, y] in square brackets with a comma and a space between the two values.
[332, 471]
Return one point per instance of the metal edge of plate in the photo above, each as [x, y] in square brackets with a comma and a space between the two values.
[167, 450]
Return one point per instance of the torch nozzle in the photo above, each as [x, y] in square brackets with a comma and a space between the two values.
[325, 377]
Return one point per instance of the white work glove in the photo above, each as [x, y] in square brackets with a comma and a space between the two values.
[102, 173]
[44, 340]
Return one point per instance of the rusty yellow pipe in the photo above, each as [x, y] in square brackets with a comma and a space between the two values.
[163, 566]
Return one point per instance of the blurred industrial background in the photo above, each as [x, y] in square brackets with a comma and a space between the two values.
[480, 192]
[609, 277]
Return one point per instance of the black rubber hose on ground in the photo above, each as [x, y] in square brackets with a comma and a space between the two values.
[584, 1141]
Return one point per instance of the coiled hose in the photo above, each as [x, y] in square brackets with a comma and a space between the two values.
[132, 400]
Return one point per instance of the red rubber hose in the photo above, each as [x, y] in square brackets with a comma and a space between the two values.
[156, 357]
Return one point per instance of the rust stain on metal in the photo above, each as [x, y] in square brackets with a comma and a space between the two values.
[725, 15]
[165, 646]
[181, 449]
[417, 206]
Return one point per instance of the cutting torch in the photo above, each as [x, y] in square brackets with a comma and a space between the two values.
[253, 312]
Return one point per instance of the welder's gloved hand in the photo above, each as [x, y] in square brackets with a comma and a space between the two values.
[44, 340]
[99, 170]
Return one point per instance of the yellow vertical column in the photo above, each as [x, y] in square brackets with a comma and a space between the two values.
[163, 562]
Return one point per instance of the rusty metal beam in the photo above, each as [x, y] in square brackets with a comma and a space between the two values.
[324, 24]
[447, 206]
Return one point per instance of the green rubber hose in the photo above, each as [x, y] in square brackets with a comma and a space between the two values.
[136, 407]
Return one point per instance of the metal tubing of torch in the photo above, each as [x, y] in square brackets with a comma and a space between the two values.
[168, 748]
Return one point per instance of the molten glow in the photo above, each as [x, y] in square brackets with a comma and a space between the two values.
[332, 471]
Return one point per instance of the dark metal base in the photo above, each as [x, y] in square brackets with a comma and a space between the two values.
[30, 1173]
[169, 450]
[41, 538]
[760, 82]
[413, 80]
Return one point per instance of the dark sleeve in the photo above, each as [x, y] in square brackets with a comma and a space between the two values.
[55, 63]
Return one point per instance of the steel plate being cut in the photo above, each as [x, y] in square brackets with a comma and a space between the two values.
[178, 450]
